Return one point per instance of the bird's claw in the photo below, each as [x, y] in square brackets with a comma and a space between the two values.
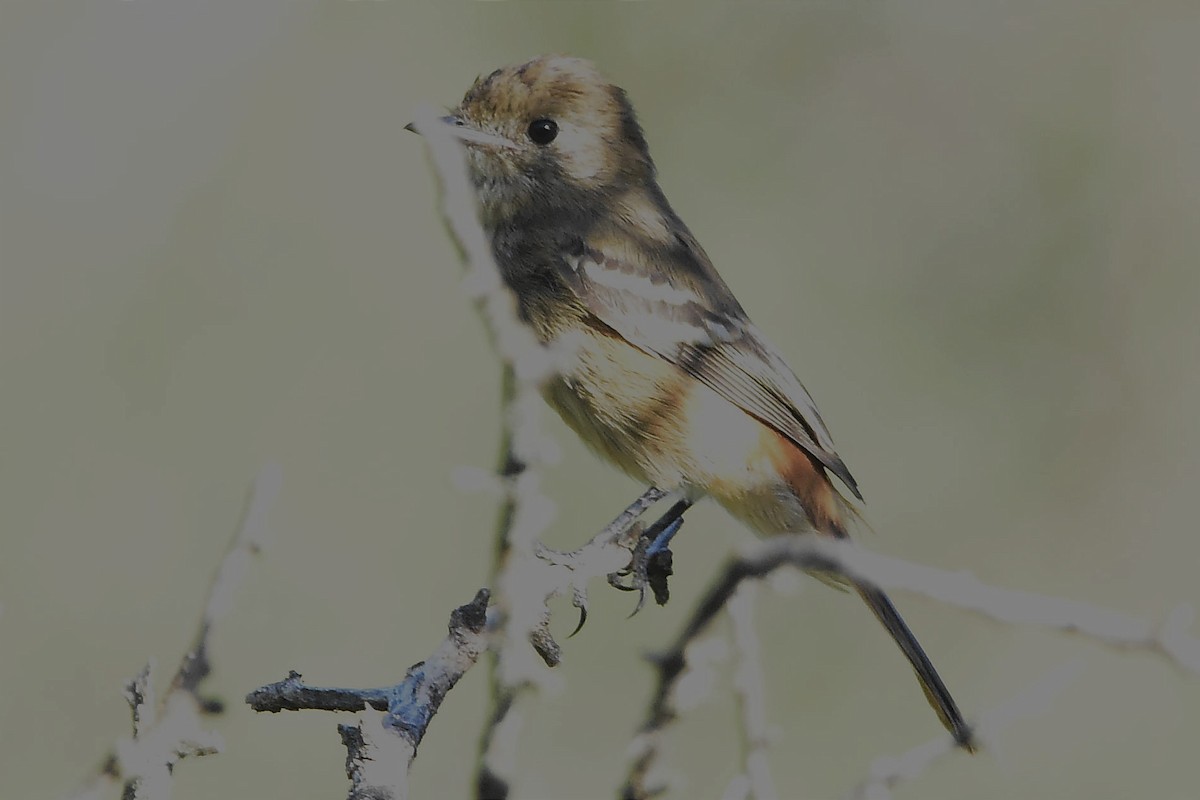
[651, 564]
[579, 600]
[641, 601]
[614, 580]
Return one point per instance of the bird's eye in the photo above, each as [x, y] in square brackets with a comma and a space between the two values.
[543, 131]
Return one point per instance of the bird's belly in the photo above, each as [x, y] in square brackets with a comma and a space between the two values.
[661, 426]
[613, 397]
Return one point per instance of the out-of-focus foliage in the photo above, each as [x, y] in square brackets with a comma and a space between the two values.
[972, 227]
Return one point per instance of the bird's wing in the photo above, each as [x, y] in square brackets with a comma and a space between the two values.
[683, 312]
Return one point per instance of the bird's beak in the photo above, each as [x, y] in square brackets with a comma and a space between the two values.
[450, 119]
[456, 128]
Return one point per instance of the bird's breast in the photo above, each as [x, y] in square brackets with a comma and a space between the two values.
[659, 425]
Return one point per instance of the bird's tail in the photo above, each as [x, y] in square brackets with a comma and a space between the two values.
[936, 693]
[827, 511]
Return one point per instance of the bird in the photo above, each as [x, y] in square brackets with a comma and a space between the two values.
[668, 379]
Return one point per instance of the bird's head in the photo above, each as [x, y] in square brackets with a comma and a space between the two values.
[548, 133]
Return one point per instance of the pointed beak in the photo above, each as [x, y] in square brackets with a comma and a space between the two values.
[456, 128]
[447, 120]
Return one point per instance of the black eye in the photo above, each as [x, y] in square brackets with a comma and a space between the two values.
[543, 131]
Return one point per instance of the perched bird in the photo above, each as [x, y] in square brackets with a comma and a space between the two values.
[669, 379]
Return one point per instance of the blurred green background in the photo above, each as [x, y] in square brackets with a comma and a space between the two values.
[972, 229]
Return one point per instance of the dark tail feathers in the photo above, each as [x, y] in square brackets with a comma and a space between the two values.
[935, 691]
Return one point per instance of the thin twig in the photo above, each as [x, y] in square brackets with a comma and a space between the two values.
[525, 511]
[525, 573]
[818, 554]
[750, 692]
[377, 762]
[380, 750]
[167, 730]
[1169, 639]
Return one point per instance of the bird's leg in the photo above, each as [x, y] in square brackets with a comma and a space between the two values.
[651, 565]
[633, 512]
[622, 524]
[667, 526]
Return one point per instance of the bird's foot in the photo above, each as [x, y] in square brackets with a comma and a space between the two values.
[651, 564]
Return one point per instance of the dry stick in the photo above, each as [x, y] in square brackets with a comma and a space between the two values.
[1116, 629]
[171, 729]
[537, 579]
[526, 574]
[381, 748]
[671, 665]
[814, 553]
[495, 763]
[411, 704]
[519, 613]
[755, 782]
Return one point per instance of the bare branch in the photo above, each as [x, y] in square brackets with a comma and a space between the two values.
[247, 543]
[534, 578]
[1117, 629]
[525, 512]
[750, 690]
[513, 340]
[526, 574]
[380, 749]
[171, 729]
[814, 553]
[377, 762]
[292, 694]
